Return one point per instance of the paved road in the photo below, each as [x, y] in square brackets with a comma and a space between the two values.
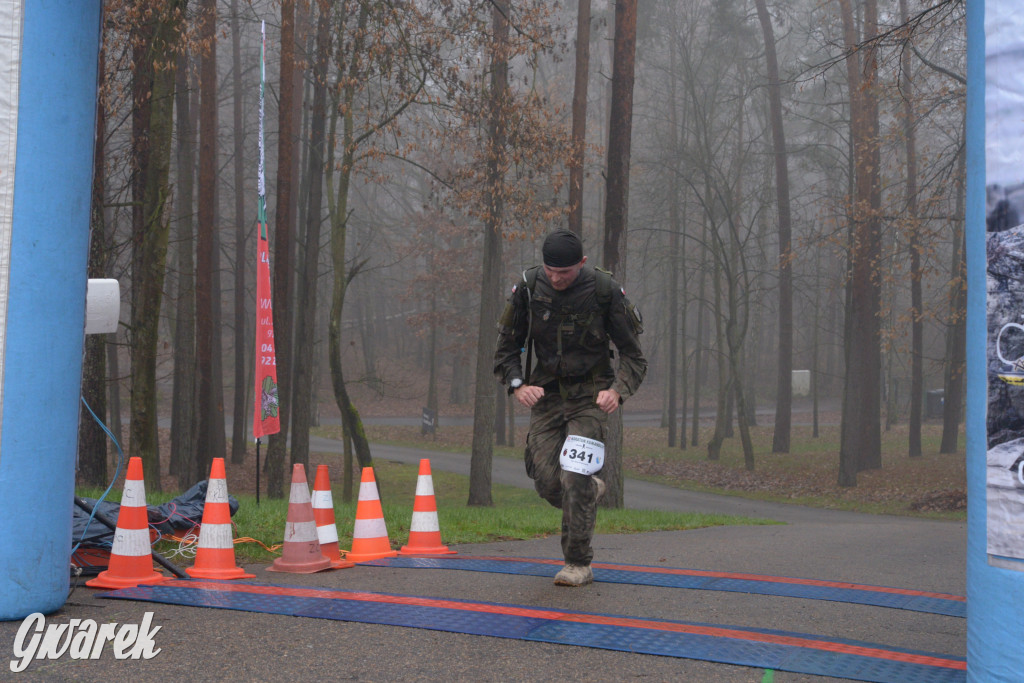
[219, 645]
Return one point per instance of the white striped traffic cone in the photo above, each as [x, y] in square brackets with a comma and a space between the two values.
[323, 514]
[131, 558]
[215, 556]
[425, 530]
[301, 551]
[370, 536]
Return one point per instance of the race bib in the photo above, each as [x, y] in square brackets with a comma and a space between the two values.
[581, 455]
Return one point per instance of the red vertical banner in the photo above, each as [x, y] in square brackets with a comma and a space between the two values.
[266, 419]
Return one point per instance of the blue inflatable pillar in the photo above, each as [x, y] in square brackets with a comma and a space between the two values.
[49, 51]
[995, 570]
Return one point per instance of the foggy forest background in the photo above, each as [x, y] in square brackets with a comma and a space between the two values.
[778, 185]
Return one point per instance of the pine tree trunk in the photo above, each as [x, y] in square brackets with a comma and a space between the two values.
[309, 270]
[784, 377]
[205, 245]
[956, 329]
[620, 128]
[579, 117]
[860, 442]
[92, 441]
[240, 414]
[490, 289]
[152, 125]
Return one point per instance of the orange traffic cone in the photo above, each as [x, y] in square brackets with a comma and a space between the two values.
[131, 558]
[215, 556]
[370, 537]
[301, 552]
[425, 531]
[323, 514]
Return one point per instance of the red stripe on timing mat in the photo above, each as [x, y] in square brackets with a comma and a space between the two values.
[555, 615]
[728, 575]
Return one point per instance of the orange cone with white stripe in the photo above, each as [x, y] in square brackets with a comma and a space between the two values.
[215, 556]
[323, 514]
[425, 531]
[301, 552]
[370, 536]
[131, 558]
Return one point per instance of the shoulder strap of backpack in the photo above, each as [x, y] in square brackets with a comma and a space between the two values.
[530, 280]
[603, 286]
[530, 277]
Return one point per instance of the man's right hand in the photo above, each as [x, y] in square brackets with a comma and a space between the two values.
[528, 395]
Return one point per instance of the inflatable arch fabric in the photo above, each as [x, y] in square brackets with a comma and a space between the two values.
[48, 59]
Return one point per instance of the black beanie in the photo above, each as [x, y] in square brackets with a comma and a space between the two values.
[562, 249]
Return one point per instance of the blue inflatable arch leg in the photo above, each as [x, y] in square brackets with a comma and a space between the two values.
[48, 60]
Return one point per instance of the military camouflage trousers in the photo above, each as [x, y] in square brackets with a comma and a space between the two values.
[551, 420]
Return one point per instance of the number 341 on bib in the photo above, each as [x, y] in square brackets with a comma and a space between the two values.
[581, 455]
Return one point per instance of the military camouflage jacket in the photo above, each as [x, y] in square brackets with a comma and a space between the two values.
[571, 331]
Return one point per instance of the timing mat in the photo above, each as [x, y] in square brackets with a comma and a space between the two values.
[835, 591]
[744, 646]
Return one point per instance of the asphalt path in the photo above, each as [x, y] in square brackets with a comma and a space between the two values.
[200, 644]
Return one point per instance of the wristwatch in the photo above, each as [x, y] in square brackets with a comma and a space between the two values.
[514, 384]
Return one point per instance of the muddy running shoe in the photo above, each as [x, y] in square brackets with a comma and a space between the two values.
[600, 488]
[574, 575]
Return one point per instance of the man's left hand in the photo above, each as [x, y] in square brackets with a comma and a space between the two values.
[608, 400]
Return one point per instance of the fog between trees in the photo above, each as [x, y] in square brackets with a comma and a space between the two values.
[399, 134]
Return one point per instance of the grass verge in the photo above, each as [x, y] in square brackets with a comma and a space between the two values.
[932, 485]
[517, 514]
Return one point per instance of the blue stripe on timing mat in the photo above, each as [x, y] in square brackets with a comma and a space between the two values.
[761, 648]
[878, 596]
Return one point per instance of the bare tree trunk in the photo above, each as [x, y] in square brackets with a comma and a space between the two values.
[684, 380]
[956, 330]
[92, 441]
[784, 378]
[152, 125]
[114, 388]
[432, 376]
[458, 392]
[308, 275]
[620, 129]
[183, 398]
[579, 117]
[674, 263]
[698, 347]
[916, 297]
[490, 289]
[206, 242]
[338, 205]
[723, 412]
[500, 423]
[283, 250]
[240, 415]
[218, 429]
[860, 442]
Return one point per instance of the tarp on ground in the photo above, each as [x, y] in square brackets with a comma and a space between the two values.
[177, 515]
